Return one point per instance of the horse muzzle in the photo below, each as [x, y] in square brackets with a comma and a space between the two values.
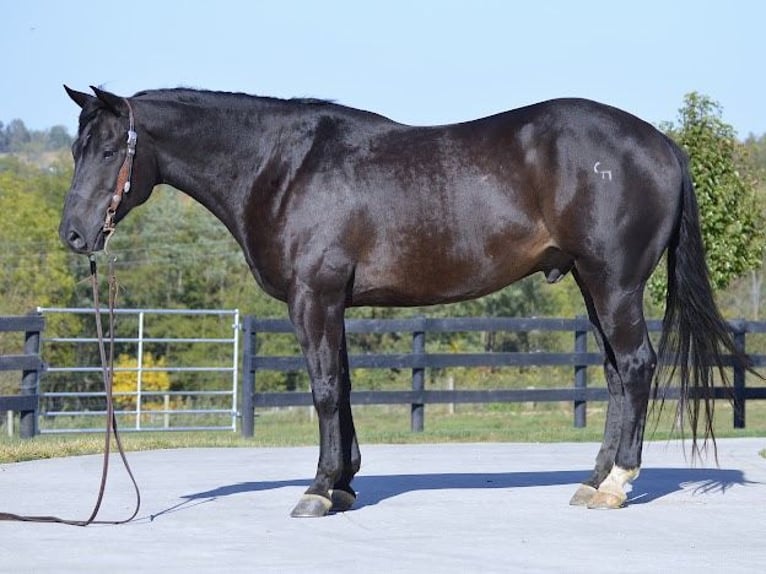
[73, 236]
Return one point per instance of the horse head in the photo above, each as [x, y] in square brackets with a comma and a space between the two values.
[115, 170]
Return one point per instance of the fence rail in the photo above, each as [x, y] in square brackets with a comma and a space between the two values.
[30, 365]
[71, 401]
[418, 360]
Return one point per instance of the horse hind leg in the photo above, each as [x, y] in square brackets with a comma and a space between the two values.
[630, 370]
[635, 364]
[612, 427]
[613, 424]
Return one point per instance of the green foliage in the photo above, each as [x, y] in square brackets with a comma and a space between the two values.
[33, 263]
[744, 297]
[755, 156]
[730, 217]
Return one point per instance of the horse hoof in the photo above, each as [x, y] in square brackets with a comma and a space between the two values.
[312, 506]
[606, 501]
[342, 500]
[583, 496]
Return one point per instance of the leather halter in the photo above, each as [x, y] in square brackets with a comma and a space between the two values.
[124, 176]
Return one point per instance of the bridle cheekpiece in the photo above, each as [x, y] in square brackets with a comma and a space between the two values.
[124, 176]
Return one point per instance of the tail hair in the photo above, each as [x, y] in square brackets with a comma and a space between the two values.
[695, 337]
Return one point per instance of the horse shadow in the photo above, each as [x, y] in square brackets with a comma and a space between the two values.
[653, 484]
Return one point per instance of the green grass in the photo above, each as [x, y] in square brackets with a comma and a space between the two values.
[386, 425]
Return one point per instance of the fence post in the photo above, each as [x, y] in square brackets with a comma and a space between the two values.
[140, 370]
[580, 375]
[30, 385]
[248, 376]
[738, 380]
[417, 412]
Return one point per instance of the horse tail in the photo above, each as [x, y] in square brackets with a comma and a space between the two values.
[695, 337]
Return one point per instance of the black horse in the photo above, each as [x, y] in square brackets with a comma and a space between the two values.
[336, 207]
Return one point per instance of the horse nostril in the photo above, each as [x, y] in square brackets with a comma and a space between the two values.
[75, 240]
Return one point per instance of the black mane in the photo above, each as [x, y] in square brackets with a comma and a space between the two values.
[213, 98]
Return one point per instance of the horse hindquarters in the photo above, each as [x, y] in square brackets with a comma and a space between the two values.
[694, 338]
[628, 222]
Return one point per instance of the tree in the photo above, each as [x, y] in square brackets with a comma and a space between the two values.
[756, 152]
[3, 139]
[18, 135]
[33, 263]
[17, 139]
[730, 218]
[744, 298]
[57, 137]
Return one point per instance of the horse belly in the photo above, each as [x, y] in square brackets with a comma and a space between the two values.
[428, 272]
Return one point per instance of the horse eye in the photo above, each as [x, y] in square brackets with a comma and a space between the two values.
[108, 154]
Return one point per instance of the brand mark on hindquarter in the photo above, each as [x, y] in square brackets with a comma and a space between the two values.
[605, 173]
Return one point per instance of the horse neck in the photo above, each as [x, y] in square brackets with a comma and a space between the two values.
[214, 153]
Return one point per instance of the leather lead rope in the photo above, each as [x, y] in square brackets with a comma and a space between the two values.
[107, 363]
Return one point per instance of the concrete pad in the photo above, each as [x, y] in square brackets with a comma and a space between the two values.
[421, 508]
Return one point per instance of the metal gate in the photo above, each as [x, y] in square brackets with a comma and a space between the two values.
[174, 370]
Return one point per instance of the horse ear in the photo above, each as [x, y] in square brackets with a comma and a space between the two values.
[79, 98]
[114, 103]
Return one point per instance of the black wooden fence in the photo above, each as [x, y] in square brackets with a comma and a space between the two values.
[30, 365]
[418, 360]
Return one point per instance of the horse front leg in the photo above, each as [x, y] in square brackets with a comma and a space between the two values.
[318, 321]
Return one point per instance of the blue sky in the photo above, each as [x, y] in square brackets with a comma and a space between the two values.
[419, 62]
